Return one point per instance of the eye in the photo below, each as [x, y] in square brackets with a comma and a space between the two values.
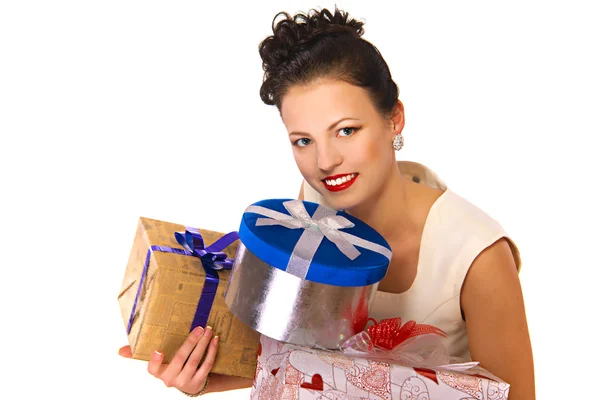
[302, 142]
[345, 132]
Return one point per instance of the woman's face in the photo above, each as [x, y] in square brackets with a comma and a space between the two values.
[341, 143]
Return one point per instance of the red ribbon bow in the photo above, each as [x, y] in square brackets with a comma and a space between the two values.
[389, 333]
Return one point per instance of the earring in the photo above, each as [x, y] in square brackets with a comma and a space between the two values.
[398, 142]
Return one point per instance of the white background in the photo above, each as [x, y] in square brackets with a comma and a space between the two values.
[111, 110]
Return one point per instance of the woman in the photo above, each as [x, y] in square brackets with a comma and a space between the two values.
[453, 266]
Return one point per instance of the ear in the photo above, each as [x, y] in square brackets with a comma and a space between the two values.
[398, 118]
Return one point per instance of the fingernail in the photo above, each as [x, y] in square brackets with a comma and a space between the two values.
[216, 340]
[208, 331]
[198, 331]
[156, 355]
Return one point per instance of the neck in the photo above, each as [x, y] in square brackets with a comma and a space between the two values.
[388, 210]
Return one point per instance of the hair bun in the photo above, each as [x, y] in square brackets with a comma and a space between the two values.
[294, 33]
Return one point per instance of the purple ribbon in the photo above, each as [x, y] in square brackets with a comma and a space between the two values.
[212, 259]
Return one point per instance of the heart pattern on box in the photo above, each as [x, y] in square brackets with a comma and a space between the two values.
[315, 384]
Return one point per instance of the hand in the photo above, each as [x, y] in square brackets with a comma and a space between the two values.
[183, 372]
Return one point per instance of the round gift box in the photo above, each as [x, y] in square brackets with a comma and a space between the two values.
[294, 284]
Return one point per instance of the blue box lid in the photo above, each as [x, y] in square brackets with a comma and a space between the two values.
[296, 236]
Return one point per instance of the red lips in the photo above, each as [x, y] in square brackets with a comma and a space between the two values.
[342, 186]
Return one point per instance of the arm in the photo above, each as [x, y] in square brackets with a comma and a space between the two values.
[492, 302]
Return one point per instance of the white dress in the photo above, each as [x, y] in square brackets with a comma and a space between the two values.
[455, 233]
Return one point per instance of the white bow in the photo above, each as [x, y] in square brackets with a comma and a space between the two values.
[327, 225]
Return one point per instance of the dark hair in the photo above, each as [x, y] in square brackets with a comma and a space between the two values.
[319, 44]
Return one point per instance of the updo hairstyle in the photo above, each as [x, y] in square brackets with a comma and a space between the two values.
[319, 44]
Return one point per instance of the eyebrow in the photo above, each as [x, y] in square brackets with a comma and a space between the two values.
[330, 126]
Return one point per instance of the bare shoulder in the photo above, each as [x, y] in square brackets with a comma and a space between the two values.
[492, 288]
[495, 266]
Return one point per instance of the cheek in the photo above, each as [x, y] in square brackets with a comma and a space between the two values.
[367, 152]
[304, 163]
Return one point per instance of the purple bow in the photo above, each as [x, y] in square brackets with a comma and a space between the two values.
[211, 256]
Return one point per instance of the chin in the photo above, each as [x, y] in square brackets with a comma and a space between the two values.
[340, 202]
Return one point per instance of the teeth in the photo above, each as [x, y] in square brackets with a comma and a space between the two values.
[339, 181]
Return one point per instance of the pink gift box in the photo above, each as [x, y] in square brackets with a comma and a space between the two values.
[291, 372]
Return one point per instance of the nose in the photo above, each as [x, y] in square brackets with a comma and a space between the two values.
[328, 157]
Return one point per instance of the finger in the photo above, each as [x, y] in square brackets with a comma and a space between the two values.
[208, 363]
[182, 355]
[191, 366]
[155, 366]
[125, 351]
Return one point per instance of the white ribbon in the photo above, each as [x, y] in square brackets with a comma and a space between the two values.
[324, 223]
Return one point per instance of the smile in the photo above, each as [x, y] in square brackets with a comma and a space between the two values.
[339, 182]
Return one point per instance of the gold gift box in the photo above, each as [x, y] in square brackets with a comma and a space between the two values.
[169, 297]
